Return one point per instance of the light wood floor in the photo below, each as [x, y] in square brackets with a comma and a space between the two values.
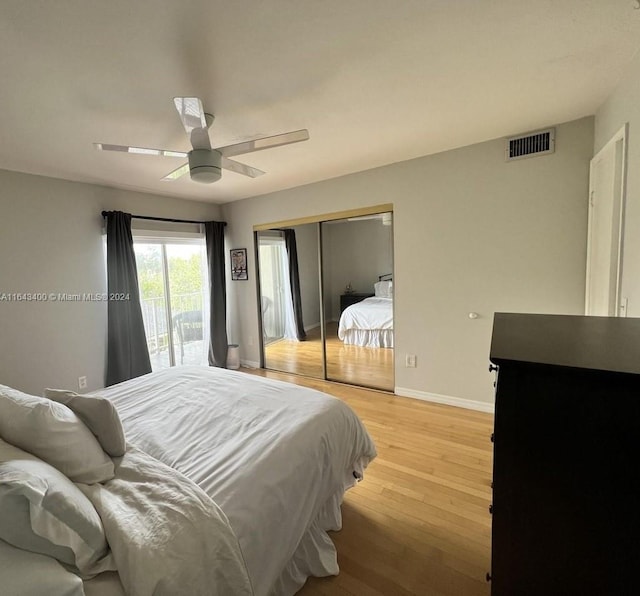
[372, 367]
[418, 524]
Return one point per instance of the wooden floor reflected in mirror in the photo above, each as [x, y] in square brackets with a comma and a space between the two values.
[350, 364]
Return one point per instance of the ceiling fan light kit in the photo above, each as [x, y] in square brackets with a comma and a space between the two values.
[206, 164]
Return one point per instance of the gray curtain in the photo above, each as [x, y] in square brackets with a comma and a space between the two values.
[218, 346]
[294, 279]
[127, 352]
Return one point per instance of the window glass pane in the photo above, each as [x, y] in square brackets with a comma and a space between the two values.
[186, 264]
[153, 302]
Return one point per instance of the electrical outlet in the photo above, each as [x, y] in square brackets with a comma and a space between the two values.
[82, 382]
[410, 361]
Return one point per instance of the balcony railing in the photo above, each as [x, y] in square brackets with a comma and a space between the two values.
[154, 316]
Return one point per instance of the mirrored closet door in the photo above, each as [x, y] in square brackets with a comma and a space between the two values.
[290, 299]
[357, 274]
[326, 299]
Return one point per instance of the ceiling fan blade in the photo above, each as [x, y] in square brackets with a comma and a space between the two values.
[264, 143]
[139, 150]
[240, 168]
[177, 173]
[194, 121]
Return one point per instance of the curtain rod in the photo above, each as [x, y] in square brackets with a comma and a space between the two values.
[191, 221]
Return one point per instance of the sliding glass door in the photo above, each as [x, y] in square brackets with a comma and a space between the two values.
[172, 276]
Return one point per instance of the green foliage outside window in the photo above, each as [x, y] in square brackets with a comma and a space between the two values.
[185, 273]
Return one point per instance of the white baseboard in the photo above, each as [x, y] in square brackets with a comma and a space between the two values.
[310, 327]
[447, 400]
[458, 402]
[249, 364]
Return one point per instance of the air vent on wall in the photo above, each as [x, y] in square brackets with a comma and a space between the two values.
[530, 144]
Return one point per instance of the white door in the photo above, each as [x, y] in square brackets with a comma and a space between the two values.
[604, 244]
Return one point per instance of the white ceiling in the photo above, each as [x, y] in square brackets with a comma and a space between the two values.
[374, 81]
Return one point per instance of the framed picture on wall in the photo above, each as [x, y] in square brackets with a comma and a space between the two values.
[239, 264]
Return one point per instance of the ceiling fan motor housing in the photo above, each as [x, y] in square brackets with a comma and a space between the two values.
[204, 165]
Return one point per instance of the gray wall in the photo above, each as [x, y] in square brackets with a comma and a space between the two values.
[51, 241]
[471, 233]
[623, 106]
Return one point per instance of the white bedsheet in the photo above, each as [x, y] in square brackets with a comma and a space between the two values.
[368, 323]
[105, 584]
[164, 532]
[275, 457]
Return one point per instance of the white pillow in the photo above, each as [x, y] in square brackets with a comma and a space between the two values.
[42, 511]
[383, 289]
[30, 574]
[52, 432]
[99, 415]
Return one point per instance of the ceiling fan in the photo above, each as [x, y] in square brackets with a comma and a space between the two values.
[205, 162]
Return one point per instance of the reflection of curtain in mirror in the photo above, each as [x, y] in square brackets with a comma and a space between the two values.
[294, 278]
[290, 329]
[277, 304]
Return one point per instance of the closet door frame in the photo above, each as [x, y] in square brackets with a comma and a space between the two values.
[312, 219]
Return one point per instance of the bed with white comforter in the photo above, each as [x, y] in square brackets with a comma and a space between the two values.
[229, 485]
[368, 323]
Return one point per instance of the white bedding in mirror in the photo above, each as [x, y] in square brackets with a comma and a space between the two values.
[368, 323]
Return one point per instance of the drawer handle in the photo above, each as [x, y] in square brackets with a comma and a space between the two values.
[488, 577]
[491, 509]
[492, 367]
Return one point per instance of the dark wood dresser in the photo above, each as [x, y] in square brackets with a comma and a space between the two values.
[566, 470]
[349, 299]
